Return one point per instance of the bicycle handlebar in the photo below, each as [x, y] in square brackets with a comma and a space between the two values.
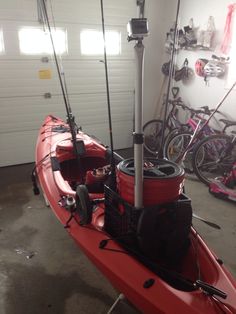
[179, 103]
[203, 110]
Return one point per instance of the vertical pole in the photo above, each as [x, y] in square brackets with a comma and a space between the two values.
[138, 129]
[113, 166]
[138, 113]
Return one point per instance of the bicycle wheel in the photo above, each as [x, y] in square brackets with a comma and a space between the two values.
[176, 148]
[183, 128]
[152, 131]
[219, 154]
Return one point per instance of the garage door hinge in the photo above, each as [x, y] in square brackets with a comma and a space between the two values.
[47, 95]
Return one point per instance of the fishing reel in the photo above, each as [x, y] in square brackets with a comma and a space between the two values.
[80, 204]
[68, 202]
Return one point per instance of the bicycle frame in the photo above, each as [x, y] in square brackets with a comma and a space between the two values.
[172, 120]
[198, 131]
[200, 128]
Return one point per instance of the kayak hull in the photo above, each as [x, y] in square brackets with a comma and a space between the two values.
[57, 173]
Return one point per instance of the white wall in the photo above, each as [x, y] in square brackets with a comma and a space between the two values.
[160, 14]
[197, 93]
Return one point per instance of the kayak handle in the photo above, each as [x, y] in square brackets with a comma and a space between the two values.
[210, 289]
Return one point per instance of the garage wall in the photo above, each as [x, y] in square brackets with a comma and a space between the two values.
[160, 14]
[196, 92]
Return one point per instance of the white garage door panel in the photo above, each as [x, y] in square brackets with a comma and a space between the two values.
[89, 76]
[20, 78]
[23, 106]
[120, 135]
[92, 109]
[116, 12]
[21, 9]
[18, 147]
[30, 112]
[26, 141]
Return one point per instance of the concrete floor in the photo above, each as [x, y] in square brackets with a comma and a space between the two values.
[58, 278]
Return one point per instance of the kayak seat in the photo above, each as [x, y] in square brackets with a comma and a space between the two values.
[74, 170]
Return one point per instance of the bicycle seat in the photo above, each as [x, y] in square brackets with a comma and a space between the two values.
[228, 122]
[206, 110]
[200, 111]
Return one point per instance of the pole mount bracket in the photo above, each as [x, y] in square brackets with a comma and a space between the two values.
[138, 138]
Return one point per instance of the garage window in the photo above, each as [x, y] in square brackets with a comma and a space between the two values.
[33, 41]
[2, 48]
[91, 42]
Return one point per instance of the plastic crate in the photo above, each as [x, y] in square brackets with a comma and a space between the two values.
[121, 218]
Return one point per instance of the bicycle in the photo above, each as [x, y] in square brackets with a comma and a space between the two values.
[153, 129]
[180, 150]
[218, 156]
[178, 140]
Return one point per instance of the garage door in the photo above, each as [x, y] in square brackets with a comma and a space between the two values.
[29, 88]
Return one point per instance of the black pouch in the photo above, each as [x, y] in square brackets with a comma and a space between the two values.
[163, 231]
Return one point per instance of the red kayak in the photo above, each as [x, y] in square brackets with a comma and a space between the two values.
[79, 192]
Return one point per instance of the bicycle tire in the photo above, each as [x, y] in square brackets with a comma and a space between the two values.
[183, 128]
[152, 131]
[175, 148]
[218, 157]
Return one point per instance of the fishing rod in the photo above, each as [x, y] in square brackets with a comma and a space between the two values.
[112, 159]
[197, 133]
[78, 148]
[171, 68]
[60, 58]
